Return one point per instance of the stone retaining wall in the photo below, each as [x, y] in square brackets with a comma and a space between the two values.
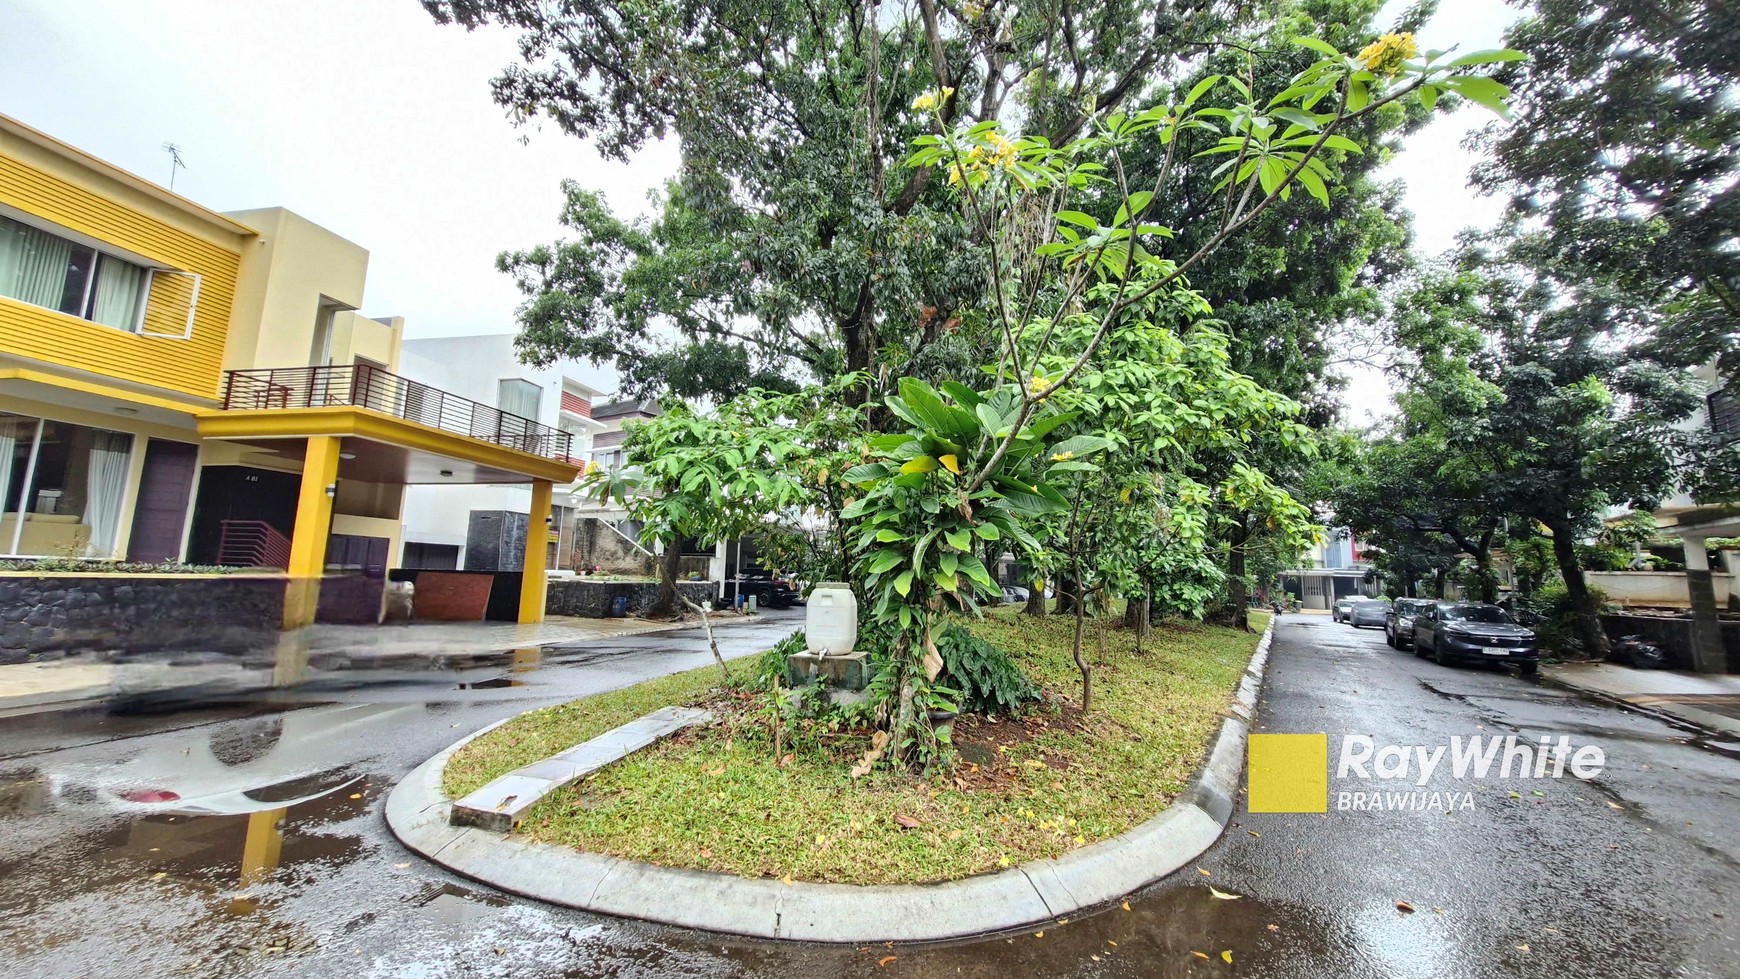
[580, 596]
[49, 616]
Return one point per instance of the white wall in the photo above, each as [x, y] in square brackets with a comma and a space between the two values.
[473, 367]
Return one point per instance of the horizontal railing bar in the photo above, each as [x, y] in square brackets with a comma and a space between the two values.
[360, 385]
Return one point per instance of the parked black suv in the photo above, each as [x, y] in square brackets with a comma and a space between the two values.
[1465, 631]
[769, 591]
[1399, 623]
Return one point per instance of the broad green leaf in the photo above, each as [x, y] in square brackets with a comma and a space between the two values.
[884, 559]
[865, 473]
[959, 538]
[1319, 45]
[888, 536]
[921, 464]
[903, 584]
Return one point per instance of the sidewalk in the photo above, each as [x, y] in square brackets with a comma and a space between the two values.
[1709, 701]
[59, 685]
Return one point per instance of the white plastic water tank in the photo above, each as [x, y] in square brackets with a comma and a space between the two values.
[831, 619]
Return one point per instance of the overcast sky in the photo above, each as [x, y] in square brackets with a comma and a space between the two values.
[368, 118]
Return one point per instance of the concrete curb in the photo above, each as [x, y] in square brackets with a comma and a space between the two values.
[416, 812]
[1692, 720]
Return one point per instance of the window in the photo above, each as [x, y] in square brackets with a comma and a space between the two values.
[1724, 413]
[519, 397]
[64, 486]
[46, 270]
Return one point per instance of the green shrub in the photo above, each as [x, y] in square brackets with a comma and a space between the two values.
[988, 680]
[770, 668]
[78, 565]
[1555, 622]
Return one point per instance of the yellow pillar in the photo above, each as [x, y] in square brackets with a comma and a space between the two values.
[532, 583]
[313, 525]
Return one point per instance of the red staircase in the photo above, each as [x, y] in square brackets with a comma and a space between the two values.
[252, 544]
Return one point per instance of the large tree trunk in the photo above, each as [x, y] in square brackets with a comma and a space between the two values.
[1036, 598]
[665, 605]
[1236, 614]
[1588, 616]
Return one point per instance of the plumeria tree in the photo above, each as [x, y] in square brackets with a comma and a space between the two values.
[1063, 282]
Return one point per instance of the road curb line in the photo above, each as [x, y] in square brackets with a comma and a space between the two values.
[416, 812]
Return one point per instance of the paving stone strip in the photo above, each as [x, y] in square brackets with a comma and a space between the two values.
[498, 806]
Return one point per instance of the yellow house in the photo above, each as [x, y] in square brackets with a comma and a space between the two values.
[182, 385]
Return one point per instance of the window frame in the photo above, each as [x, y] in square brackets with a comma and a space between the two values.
[101, 250]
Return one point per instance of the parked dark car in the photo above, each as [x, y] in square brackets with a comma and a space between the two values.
[769, 591]
[1370, 611]
[1467, 631]
[1399, 624]
[1339, 611]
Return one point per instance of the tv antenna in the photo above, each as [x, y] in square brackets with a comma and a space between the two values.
[175, 161]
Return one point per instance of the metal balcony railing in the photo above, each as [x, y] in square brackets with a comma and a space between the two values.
[362, 386]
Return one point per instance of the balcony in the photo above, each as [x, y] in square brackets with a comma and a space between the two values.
[362, 386]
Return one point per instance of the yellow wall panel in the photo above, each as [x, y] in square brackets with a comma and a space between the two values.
[192, 366]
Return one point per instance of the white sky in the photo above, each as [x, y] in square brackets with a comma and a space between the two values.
[368, 118]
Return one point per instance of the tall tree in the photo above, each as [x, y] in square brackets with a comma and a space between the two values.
[1626, 151]
[1535, 382]
[793, 242]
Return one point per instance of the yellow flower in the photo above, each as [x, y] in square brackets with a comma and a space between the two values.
[1039, 385]
[1385, 55]
[928, 101]
[1062, 456]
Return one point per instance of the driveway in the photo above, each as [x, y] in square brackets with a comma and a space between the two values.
[1633, 874]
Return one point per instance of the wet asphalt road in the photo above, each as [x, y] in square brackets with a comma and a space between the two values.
[1633, 874]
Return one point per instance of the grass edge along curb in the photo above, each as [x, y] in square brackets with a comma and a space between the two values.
[416, 813]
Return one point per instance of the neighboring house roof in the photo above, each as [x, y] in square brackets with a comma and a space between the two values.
[613, 409]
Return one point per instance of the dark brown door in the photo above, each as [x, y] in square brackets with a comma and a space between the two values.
[165, 490]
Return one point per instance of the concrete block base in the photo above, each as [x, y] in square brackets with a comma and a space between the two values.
[848, 672]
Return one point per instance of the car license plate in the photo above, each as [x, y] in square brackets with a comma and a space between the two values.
[1496, 652]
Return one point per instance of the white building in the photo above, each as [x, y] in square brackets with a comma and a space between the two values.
[487, 369]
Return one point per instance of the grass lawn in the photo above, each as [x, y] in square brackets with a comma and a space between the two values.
[717, 798]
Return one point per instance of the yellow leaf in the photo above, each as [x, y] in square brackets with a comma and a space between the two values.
[1126, 905]
[1203, 872]
[786, 880]
[921, 464]
[882, 963]
[1254, 833]
[1002, 861]
[1201, 955]
[356, 795]
[950, 463]
[1039, 934]
[1226, 956]
[1223, 895]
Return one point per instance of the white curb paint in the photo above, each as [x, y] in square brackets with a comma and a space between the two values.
[417, 811]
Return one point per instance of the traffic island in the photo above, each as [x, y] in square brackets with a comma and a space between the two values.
[1040, 817]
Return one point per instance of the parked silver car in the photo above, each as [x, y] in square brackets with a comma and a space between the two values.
[1370, 611]
[1338, 612]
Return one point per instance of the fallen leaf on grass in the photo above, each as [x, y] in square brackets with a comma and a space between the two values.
[716, 771]
[906, 822]
[788, 759]
[1404, 907]
[1223, 895]
[882, 963]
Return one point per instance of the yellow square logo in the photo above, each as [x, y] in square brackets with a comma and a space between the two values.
[1288, 772]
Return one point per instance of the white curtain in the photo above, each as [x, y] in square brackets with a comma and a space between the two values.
[33, 264]
[105, 489]
[115, 301]
[8, 449]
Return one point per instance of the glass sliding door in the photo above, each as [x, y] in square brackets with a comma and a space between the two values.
[65, 484]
